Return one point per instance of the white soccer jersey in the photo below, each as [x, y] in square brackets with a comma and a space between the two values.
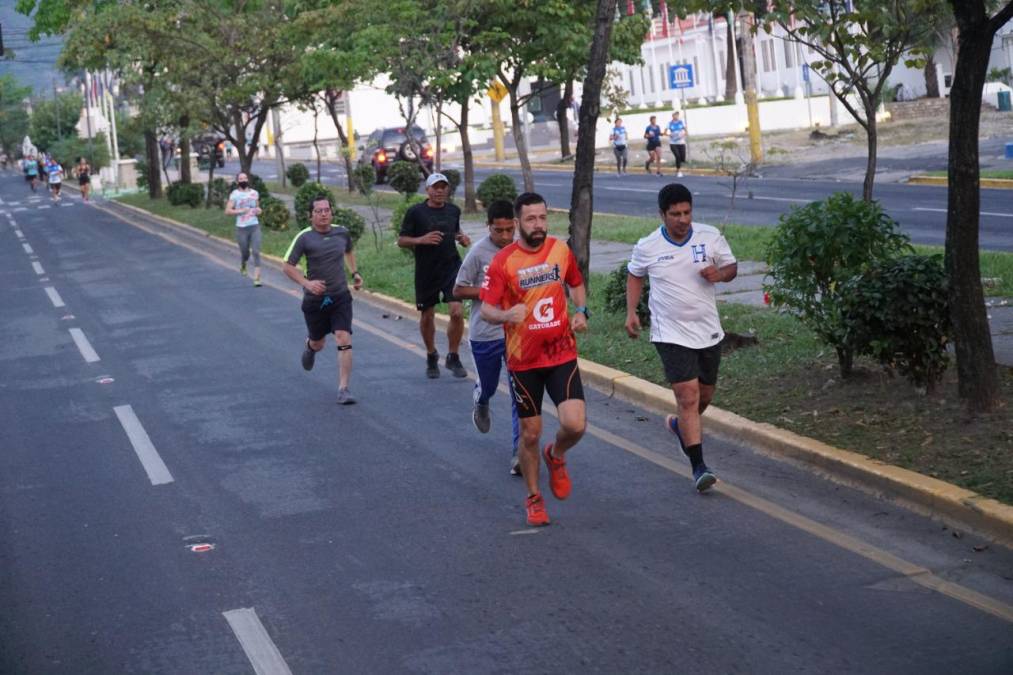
[683, 305]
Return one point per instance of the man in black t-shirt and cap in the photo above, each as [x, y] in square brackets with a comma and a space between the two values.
[432, 229]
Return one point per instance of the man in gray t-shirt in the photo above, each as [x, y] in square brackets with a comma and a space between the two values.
[488, 343]
[327, 303]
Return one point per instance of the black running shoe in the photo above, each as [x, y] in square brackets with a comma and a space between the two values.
[433, 365]
[455, 366]
[308, 356]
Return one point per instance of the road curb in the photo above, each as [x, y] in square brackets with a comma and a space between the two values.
[989, 183]
[955, 506]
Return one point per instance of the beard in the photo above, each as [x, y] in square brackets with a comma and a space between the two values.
[533, 239]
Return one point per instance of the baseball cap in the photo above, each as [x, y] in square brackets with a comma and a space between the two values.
[435, 178]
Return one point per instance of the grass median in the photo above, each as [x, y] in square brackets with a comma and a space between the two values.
[789, 379]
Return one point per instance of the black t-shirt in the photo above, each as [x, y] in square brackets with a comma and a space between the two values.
[434, 264]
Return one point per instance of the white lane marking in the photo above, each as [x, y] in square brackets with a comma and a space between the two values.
[19, 233]
[54, 297]
[625, 189]
[44, 206]
[258, 645]
[38, 268]
[66, 204]
[782, 199]
[21, 208]
[518, 532]
[981, 213]
[158, 472]
[28, 248]
[83, 346]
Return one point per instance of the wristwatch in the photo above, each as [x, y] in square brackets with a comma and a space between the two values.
[583, 310]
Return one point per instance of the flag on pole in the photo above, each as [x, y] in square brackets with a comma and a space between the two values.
[630, 8]
[664, 18]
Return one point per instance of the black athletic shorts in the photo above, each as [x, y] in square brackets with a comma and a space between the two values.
[430, 296]
[83, 180]
[653, 145]
[29, 179]
[683, 364]
[327, 313]
[562, 382]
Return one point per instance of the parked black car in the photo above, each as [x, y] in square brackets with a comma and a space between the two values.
[388, 144]
[206, 146]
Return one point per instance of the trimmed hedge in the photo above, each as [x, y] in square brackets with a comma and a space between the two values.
[298, 174]
[274, 213]
[497, 186]
[304, 197]
[191, 194]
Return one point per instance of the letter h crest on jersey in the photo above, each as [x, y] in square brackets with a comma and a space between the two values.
[699, 252]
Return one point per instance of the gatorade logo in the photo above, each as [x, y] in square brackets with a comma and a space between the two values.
[544, 312]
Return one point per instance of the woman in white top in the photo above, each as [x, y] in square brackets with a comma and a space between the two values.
[244, 204]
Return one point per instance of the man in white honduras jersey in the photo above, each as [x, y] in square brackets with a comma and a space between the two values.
[683, 261]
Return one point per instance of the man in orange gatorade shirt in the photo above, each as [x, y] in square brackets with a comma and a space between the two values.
[523, 289]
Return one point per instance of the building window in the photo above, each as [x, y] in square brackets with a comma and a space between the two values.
[789, 54]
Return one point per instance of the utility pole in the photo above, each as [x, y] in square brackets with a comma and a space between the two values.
[56, 106]
[752, 106]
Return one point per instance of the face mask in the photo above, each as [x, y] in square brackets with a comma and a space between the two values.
[243, 185]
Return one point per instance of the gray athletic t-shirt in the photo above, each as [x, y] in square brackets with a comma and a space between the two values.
[325, 256]
[471, 274]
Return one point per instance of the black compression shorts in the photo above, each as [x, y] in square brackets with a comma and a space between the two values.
[562, 382]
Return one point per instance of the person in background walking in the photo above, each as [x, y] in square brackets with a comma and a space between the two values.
[244, 204]
[653, 135]
[677, 136]
[83, 170]
[619, 139]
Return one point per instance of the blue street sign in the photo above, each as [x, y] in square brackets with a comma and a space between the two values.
[680, 76]
[805, 72]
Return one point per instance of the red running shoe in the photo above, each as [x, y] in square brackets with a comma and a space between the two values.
[559, 480]
[537, 516]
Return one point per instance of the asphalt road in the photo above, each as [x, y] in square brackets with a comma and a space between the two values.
[920, 209]
[388, 537]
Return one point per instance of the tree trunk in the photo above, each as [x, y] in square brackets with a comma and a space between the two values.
[184, 149]
[931, 79]
[438, 131]
[331, 98]
[977, 374]
[520, 141]
[582, 198]
[564, 123]
[211, 179]
[730, 65]
[470, 205]
[154, 161]
[872, 138]
[316, 136]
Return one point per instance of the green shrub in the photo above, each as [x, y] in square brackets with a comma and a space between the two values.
[615, 295]
[304, 197]
[453, 179]
[398, 214]
[191, 194]
[218, 193]
[364, 179]
[818, 247]
[897, 312]
[497, 186]
[405, 177]
[142, 174]
[351, 220]
[274, 214]
[298, 174]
